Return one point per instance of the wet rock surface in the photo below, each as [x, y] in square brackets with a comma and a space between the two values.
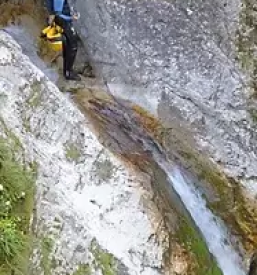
[178, 59]
[137, 136]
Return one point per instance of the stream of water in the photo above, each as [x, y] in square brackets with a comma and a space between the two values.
[213, 230]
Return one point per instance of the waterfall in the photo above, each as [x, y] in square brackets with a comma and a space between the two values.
[215, 234]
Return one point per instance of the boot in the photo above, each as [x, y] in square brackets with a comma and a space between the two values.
[71, 75]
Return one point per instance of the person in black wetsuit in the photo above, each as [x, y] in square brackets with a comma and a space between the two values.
[61, 11]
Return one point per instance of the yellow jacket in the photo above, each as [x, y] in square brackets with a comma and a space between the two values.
[53, 35]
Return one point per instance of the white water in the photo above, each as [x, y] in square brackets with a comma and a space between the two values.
[215, 234]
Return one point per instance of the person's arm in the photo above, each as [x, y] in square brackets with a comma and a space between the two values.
[58, 7]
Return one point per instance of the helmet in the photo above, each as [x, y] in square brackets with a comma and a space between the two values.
[53, 35]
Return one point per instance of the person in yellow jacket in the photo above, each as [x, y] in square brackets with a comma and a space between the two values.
[63, 35]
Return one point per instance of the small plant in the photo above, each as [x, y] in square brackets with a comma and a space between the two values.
[11, 240]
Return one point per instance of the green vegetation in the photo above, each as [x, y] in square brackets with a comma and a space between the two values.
[202, 262]
[72, 152]
[103, 260]
[11, 240]
[83, 269]
[46, 249]
[16, 206]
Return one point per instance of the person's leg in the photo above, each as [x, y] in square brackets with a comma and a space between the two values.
[64, 54]
[61, 23]
[70, 46]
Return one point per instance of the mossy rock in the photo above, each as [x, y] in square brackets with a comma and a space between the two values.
[83, 269]
[103, 260]
[201, 262]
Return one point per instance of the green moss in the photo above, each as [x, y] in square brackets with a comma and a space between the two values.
[16, 204]
[46, 250]
[103, 260]
[246, 41]
[203, 263]
[35, 97]
[83, 269]
[72, 152]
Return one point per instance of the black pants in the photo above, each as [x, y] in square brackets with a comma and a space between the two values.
[70, 43]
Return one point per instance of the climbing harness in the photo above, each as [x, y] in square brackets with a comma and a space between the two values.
[53, 35]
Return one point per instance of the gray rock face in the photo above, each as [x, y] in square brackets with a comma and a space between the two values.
[89, 212]
[178, 57]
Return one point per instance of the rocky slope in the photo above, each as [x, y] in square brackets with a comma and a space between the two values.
[178, 60]
[89, 217]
